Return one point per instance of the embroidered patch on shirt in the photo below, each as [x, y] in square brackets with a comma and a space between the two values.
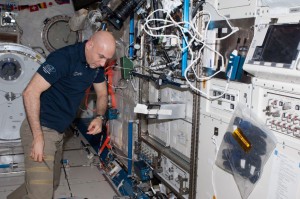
[77, 74]
[49, 69]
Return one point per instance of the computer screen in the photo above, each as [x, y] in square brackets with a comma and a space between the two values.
[280, 45]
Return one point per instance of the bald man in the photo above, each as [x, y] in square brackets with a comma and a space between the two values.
[51, 100]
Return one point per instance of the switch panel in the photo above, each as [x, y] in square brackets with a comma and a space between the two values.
[175, 176]
[227, 100]
[147, 153]
[282, 114]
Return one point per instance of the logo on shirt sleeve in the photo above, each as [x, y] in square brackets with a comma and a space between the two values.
[49, 69]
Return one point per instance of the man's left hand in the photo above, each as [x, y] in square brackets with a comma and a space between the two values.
[95, 126]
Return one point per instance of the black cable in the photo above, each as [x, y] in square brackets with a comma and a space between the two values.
[66, 177]
[11, 154]
[156, 14]
[14, 139]
[160, 195]
[197, 6]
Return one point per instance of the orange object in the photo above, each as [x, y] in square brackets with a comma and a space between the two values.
[105, 144]
[109, 73]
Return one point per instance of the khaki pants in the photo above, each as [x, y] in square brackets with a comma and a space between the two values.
[40, 181]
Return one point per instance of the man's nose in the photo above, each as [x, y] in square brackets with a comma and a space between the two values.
[102, 62]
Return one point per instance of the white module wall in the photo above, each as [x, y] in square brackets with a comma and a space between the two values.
[175, 134]
[234, 9]
[32, 23]
[153, 93]
[176, 95]
[213, 181]
[280, 171]
[215, 116]
[210, 176]
[160, 131]
[280, 177]
[180, 141]
[116, 133]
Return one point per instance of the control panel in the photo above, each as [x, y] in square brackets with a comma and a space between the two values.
[147, 153]
[227, 98]
[175, 176]
[282, 114]
[277, 104]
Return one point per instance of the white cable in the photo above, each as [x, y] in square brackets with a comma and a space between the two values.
[142, 45]
[195, 35]
[192, 63]
[213, 165]
[133, 86]
[127, 50]
[234, 29]
[121, 156]
[120, 185]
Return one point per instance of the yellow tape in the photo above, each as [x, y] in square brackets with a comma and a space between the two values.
[242, 139]
[38, 169]
[49, 158]
[38, 57]
[46, 158]
[41, 182]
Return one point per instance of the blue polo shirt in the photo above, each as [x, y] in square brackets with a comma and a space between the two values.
[69, 74]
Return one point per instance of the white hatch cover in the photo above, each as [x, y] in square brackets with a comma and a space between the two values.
[18, 63]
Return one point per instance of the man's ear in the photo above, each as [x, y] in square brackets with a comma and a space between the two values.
[90, 44]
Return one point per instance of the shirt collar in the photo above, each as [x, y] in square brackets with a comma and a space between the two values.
[82, 52]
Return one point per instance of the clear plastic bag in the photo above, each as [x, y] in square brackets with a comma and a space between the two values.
[245, 148]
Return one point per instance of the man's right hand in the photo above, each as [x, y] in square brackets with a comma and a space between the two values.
[37, 150]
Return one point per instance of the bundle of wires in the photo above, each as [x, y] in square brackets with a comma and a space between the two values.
[194, 35]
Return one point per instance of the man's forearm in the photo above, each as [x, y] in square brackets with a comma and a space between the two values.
[32, 108]
[101, 104]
